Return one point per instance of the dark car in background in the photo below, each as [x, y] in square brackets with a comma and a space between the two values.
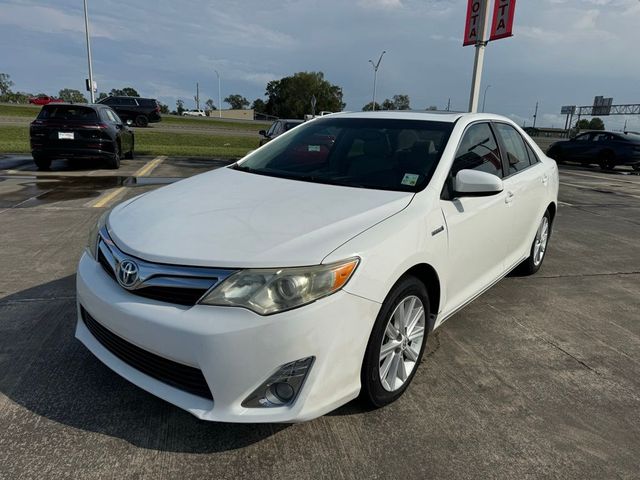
[277, 128]
[141, 111]
[79, 132]
[607, 149]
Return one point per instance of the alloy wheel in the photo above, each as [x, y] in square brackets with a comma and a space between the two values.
[401, 343]
[540, 243]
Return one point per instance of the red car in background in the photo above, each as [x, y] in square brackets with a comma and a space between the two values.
[44, 100]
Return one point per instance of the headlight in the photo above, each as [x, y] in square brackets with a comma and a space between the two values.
[267, 291]
[92, 241]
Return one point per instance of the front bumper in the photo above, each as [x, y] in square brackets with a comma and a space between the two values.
[236, 349]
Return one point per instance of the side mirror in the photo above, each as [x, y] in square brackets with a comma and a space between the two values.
[474, 183]
[263, 133]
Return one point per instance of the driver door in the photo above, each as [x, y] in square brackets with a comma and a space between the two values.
[477, 226]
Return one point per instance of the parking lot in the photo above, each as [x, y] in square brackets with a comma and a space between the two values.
[539, 377]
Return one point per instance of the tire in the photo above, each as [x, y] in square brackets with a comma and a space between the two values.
[129, 155]
[636, 167]
[376, 391]
[142, 121]
[607, 161]
[114, 161]
[539, 246]
[43, 163]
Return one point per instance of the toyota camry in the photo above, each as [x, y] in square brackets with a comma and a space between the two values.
[312, 271]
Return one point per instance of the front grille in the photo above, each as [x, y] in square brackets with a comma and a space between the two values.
[183, 377]
[179, 285]
[181, 296]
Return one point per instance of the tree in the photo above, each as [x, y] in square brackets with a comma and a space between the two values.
[388, 105]
[164, 108]
[102, 95]
[179, 107]
[290, 97]
[237, 102]
[596, 124]
[401, 102]
[5, 84]
[259, 105]
[210, 105]
[369, 107]
[124, 92]
[72, 95]
[582, 124]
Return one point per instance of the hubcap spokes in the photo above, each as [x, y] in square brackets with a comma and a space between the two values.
[540, 243]
[402, 342]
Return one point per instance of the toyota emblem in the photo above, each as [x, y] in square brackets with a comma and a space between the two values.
[127, 273]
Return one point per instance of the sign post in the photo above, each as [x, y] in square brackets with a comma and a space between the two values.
[476, 27]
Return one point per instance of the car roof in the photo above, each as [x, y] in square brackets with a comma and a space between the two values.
[433, 116]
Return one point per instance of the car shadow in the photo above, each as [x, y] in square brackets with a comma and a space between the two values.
[48, 372]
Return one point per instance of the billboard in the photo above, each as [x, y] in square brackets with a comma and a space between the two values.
[602, 106]
[502, 24]
[568, 110]
[474, 26]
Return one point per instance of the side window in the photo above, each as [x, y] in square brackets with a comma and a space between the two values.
[129, 102]
[478, 151]
[112, 117]
[583, 138]
[272, 129]
[533, 158]
[517, 156]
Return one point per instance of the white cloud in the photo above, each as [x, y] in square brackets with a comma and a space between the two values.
[380, 3]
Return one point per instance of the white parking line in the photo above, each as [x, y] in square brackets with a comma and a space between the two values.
[612, 177]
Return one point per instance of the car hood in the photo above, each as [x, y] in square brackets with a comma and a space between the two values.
[229, 218]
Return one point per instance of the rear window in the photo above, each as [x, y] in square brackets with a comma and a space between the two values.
[147, 102]
[68, 112]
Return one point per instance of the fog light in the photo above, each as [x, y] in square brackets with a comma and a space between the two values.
[281, 388]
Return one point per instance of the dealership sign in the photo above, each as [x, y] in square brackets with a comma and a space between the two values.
[501, 26]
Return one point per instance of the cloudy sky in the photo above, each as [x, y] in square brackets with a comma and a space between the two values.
[563, 52]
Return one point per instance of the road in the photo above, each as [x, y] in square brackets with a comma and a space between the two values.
[539, 377]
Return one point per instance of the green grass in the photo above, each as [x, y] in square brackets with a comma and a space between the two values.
[29, 111]
[244, 125]
[149, 142]
[15, 139]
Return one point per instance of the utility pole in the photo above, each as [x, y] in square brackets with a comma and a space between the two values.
[86, 31]
[375, 77]
[197, 96]
[478, 63]
[484, 98]
[219, 96]
[449, 104]
[535, 116]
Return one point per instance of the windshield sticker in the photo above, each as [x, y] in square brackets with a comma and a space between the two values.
[314, 148]
[410, 179]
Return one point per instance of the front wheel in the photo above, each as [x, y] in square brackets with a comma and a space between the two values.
[396, 344]
[607, 161]
[142, 121]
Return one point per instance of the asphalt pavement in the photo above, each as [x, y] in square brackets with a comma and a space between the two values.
[538, 378]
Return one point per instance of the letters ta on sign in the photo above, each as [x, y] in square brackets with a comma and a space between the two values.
[502, 25]
[474, 25]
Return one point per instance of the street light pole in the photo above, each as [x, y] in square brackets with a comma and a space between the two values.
[375, 78]
[484, 98]
[86, 31]
[219, 96]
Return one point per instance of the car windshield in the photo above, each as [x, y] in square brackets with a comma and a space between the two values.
[386, 154]
[68, 112]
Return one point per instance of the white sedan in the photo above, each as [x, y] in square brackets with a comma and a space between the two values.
[311, 271]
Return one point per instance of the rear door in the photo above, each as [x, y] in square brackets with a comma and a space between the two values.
[477, 227]
[525, 182]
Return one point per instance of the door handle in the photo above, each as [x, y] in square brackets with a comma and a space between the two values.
[545, 179]
[509, 197]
